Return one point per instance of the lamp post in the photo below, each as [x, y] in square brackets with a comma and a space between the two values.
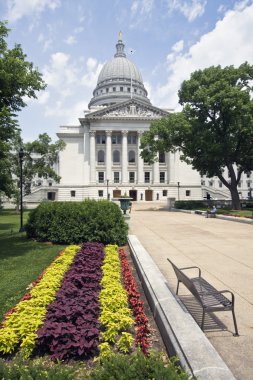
[178, 187]
[107, 190]
[21, 154]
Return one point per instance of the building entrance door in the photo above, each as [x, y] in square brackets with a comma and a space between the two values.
[148, 195]
[116, 193]
[133, 194]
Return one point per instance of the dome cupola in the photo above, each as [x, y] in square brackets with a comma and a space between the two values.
[119, 80]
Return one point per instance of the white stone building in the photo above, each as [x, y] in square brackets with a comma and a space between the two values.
[102, 154]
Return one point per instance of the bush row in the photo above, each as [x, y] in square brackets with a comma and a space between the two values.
[76, 222]
[190, 205]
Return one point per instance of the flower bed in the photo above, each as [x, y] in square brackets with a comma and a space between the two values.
[21, 324]
[79, 308]
[71, 329]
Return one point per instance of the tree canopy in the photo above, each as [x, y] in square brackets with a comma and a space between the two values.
[214, 130]
[19, 80]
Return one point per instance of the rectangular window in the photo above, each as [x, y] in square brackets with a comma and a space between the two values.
[107, 89]
[165, 192]
[51, 196]
[128, 89]
[248, 175]
[100, 193]
[116, 139]
[114, 89]
[131, 177]
[220, 184]
[121, 89]
[72, 193]
[239, 184]
[162, 177]
[116, 177]
[131, 139]
[248, 184]
[100, 139]
[147, 177]
[188, 193]
[50, 184]
[101, 177]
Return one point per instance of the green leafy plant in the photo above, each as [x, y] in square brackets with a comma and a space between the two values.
[21, 324]
[75, 222]
[137, 366]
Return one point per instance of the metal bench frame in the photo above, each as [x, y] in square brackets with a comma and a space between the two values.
[210, 299]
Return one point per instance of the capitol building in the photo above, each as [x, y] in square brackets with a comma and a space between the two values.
[102, 159]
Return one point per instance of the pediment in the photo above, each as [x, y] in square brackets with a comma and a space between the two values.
[131, 109]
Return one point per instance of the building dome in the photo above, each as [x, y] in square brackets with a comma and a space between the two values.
[118, 81]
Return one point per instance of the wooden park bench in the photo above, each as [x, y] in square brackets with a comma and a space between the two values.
[210, 299]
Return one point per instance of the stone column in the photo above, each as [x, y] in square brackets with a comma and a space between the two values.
[140, 178]
[92, 157]
[171, 167]
[124, 161]
[108, 155]
[156, 175]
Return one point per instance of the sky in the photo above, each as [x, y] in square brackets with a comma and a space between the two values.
[69, 41]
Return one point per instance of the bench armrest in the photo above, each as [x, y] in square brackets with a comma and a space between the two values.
[194, 267]
[219, 292]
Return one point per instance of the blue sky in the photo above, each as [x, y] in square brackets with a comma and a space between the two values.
[70, 40]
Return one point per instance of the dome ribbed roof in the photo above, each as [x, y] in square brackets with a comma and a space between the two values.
[118, 80]
[119, 68]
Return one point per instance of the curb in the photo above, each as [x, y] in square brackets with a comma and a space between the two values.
[181, 334]
[223, 217]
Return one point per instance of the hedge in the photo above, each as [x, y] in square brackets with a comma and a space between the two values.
[74, 222]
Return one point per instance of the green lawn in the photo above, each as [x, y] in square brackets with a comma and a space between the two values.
[21, 260]
[246, 213]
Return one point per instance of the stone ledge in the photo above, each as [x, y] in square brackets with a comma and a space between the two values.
[181, 334]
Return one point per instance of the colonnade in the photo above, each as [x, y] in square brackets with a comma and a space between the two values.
[139, 168]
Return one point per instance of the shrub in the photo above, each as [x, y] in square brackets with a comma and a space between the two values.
[75, 222]
[189, 205]
[138, 367]
[38, 369]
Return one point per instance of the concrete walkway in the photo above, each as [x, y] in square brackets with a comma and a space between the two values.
[224, 252]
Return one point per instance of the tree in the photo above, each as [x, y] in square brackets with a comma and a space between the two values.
[214, 131]
[40, 157]
[18, 80]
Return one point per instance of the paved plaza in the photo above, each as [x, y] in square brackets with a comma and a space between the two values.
[224, 252]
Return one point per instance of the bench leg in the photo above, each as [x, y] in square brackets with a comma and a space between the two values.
[203, 320]
[178, 282]
[235, 324]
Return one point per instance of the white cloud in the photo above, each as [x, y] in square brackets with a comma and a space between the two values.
[70, 40]
[229, 43]
[140, 11]
[70, 83]
[191, 9]
[20, 8]
[178, 46]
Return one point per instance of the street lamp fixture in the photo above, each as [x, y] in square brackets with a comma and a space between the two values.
[21, 154]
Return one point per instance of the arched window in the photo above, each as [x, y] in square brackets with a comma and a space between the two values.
[116, 156]
[131, 156]
[101, 156]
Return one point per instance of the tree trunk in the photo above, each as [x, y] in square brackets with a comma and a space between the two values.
[236, 204]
